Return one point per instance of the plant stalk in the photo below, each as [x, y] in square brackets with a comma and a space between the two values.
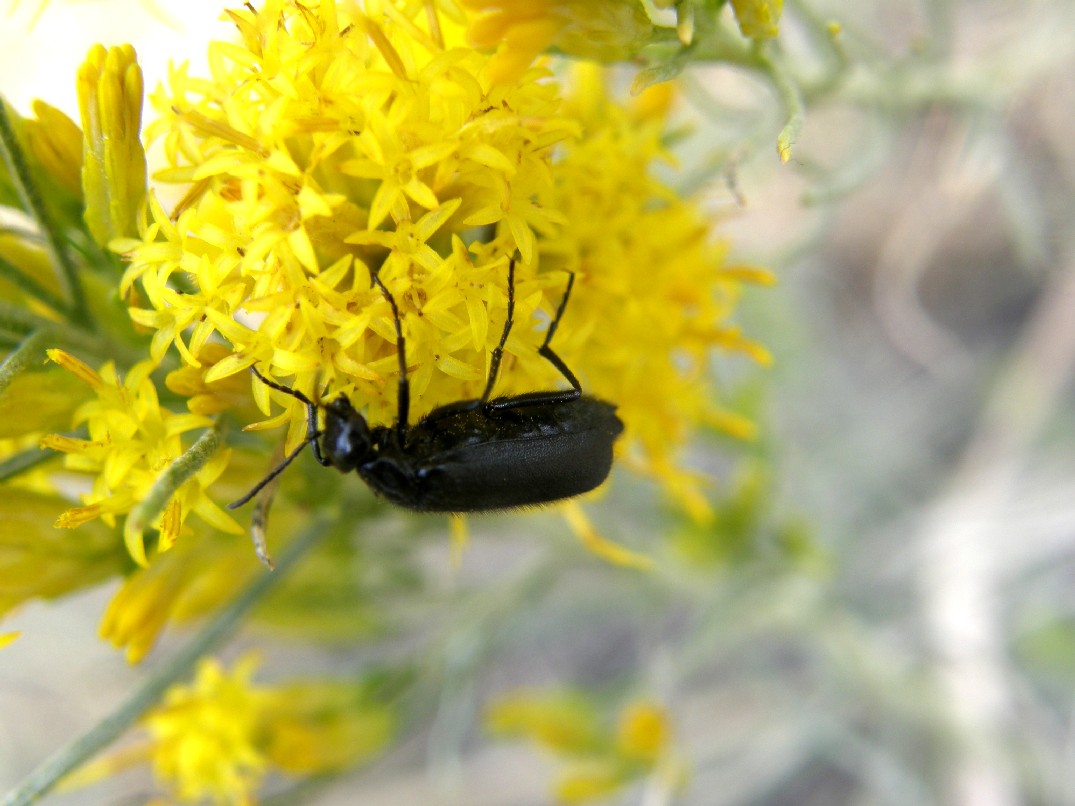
[69, 758]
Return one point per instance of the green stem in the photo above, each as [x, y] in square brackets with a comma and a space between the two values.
[15, 319]
[792, 100]
[66, 270]
[30, 349]
[33, 288]
[168, 483]
[85, 747]
[21, 323]
[827, 44]
[716, 42]
[19, 463]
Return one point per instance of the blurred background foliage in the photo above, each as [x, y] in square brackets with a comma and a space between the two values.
[883, 610]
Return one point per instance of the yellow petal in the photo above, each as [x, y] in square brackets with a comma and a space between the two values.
[78, 368]
[457, 525]
[599, 545]
[135, 541]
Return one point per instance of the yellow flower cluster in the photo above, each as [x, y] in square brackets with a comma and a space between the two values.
[654, 283]
[215, 739]
[337, 143]
[204, 736]
[328, 148]
[132, 441]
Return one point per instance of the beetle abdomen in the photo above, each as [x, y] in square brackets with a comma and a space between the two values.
[470, 461]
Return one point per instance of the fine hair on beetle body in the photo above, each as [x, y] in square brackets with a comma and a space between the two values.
[488, 453]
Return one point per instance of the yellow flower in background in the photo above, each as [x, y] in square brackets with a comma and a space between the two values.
[643, 732]
[196, 577]
[598, 760]
[50, 145]
[320, 726]
[562, 721]
[204, 737]
[758, 19]
[216, 738]
[132, 441]
[520, 30]
[38, 561]
[56, 142]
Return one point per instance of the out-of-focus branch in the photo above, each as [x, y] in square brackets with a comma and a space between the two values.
[965, 549]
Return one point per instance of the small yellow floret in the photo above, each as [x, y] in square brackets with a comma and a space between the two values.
[643, 732]
[598, 759]
[204, 736]
[133, 440]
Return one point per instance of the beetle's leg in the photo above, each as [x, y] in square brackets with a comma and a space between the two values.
[403, 396]
[546, 351]
[498, 353]
[494, 362]
[312, 435]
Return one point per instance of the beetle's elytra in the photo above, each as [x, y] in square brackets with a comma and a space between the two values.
[473, 455]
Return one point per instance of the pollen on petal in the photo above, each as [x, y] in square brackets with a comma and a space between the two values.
[171, 523]
[76, 516]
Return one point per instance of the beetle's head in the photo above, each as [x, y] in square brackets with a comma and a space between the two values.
[346, 441]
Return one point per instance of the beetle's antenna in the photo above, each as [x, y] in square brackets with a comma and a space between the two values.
[312, 435]
[276, 471]
[498, 353]
[279, 387]
[403, 396]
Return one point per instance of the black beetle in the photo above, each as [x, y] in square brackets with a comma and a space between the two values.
[471, 455]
